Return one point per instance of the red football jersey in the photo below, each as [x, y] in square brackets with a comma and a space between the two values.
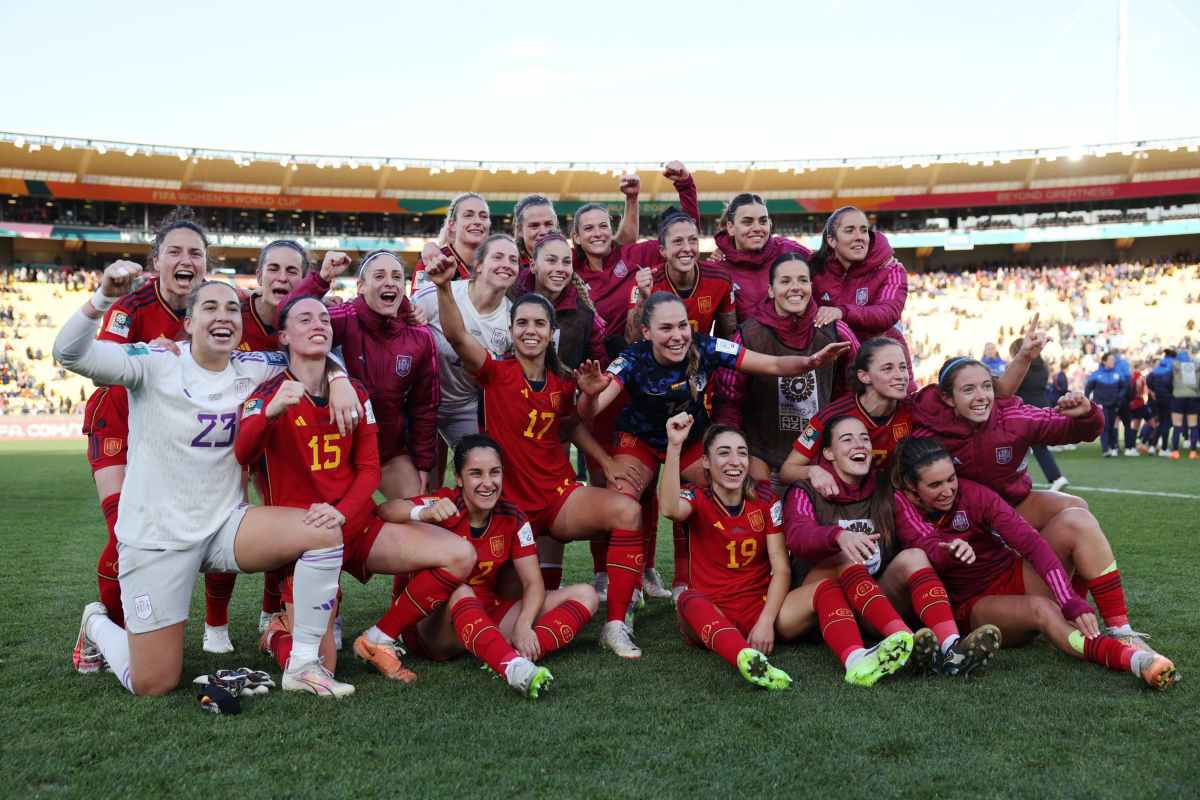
[729, 551]
[711, 295]
[507, 536]
[526, 423]
[886, 434]
[301, 458]
[258, 334]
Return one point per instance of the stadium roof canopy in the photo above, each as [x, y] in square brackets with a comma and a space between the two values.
[93, 169]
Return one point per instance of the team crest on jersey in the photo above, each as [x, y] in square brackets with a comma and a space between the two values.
[1003, 455]
[860, 297]
[704, 304]
[900, 431]
[403, 365]
[960, 521]
[555, 400]
[620, 270]
[119, 324]
[500, 341]
[112, 445]
[756, 520]
[496, 545]
[252, 407]
[243, 386]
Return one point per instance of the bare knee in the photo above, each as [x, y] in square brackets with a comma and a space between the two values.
[154, 685]
[584, 595]
[460, 593]
[910, 561]
[627, 514]
[1045, 613]
[322, 538]
[460, 559]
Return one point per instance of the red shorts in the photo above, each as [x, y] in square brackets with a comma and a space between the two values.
[1010, 582]
[742, 610]
[494, 605]
[543, 520]
[630, 445]
[355, 551]
[106, 423]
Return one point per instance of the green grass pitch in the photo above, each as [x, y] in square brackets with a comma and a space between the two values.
[677, 723]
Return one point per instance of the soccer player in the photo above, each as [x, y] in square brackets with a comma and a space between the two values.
[998, 570]
[307, 463]
[395, 360]
[508, 635]
[529, 408]
[850, 536]
[1185, 405]
[468, 224]
[1159, 384]
[1108, 389]
[746, 248]
[738, 572]
[183, 417]
[856, 278]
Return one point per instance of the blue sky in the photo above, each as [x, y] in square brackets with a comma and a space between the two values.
[740, 79]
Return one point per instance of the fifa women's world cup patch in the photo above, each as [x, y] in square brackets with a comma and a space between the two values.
[253, 406]
[118, 324]
[525, 535]
[369, 413]
[809, 438]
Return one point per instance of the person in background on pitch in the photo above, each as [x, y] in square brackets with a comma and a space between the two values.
[1107, 388]
[1185, 405]
[1159, 385]
[1033, 390]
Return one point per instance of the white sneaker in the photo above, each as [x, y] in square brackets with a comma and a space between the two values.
[1164, 453]
[337, 632]
[618, 637]
[1059, 482]
[86, 657]
[264, 619]
[600, 584]
[652, 584]
[314, 679]
[1151, 450]
[1132, 451]
[676, 591]
[636, 603]
[527, 678]
[216, 639]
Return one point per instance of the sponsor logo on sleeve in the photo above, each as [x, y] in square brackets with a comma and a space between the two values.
[119, 324]
[1003, 455]
[525, 535]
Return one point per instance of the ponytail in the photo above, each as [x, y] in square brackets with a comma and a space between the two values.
[819, 259]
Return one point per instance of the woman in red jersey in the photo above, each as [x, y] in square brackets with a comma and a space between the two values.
[306, 462]
[998, 570]
[529, 408]
[739, 567]
[746, 248]
[507, 635]
[468, 224]
[849, 536]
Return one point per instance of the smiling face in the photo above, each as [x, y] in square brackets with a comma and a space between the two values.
[851, 237]
[791, 288]
[214, 321]
[553, 267]
[530, 330]
[849, 449]
[750, 227]
[500, 265]
[472, 222]
[887, 373]
[974, 394]
[282, 268]
[937, 486]
[727, 461]
[669, 332]
[593, 232]
[681, 246]
[535, 221]
[382, 285]
[481, 479]
[307, 330]
[181, 263]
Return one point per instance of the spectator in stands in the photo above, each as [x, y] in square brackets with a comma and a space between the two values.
[993, 360]
[1108, 389]
[1033, 390]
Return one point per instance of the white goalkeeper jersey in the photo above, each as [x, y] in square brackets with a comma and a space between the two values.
[182, 478]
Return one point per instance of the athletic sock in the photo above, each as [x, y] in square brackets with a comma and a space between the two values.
[599, 548]
[218, 590]
[314, 589]
[624, 570]
[1103, 650]
[1175, 433]
[398, 583]
[1164, 436]
[650, 528]
[551, 576]
[1194, 436]
[838, 628]
[712, 627]
[113, 642]
[1109, 594]
[425, 592]
[932, 604]
[106, 568]
[281, 648]
[272, 599]
[679, 532]
[558, 627]
[869, 601]
[480, 635]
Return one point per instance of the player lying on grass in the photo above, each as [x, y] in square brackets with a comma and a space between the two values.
[738, 570]
[508, 635]
[850, 536]
[306, 463]
[999, 571]
[529, 408]
[183, 417]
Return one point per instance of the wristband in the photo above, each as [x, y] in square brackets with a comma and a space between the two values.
[415, 513]
[102, 302]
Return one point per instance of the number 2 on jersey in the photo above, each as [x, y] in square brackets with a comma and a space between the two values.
[749, 548]
[547, 418]
[326, 453]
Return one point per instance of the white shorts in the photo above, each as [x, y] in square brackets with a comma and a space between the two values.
[156, 585]
[456, 423]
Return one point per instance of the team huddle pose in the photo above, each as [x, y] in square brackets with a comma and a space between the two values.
[761, 400]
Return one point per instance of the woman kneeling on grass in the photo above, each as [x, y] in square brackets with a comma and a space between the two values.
[998, 570]
[508, 635]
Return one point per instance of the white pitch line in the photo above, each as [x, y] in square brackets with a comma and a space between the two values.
[1106, 490]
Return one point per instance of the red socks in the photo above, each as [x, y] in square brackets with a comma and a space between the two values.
[398, 584]
[1108, 652]
[1109, 595]
[427, 590]
[683, 563]
[625, 559]
[838, 628]
[218, 590]
[281, 648]
[869, 601]
[557, 627]
[932, 604]
[106, 567]
[272, 602]
[480, 635]
[711, 626]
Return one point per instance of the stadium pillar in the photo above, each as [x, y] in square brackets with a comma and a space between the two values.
[6, 252]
